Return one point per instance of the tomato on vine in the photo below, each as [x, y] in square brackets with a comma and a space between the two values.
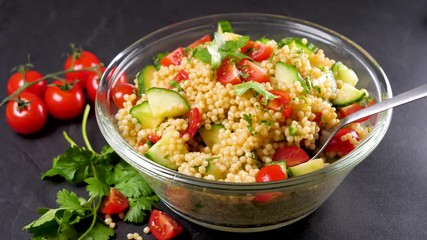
[78, 60]
[22, 76]
[26, 113]
[63, 100]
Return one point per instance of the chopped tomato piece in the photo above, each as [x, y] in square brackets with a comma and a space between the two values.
[163, 226]
[180, 76]
[281, 103]
[292, 155]
[339, 146]
[366, 102]
[257, 51]
[193, 122]
[318, 118]
[252, 72]
[266, 197]
[272, 172]
[173, 58]
[228, 73]
[114, 203]
[153, 138]
[205, 38]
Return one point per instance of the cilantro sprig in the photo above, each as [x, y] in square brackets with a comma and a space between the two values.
[77, 217]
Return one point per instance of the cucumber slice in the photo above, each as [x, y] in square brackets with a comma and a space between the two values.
[345, 74]
[224, 26]
[145, 78]
[166, 103]
[160, 156]
[347, 95]
[211, 136]
[287, 73]
[306, 167]
[297, 44]
[142, 112]
[213, 170]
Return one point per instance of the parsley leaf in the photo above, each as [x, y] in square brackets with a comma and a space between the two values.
[248, 118]
[257, 87]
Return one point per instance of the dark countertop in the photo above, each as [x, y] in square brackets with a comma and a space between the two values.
[385, 197]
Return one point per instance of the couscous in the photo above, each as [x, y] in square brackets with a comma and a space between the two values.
[226, 107]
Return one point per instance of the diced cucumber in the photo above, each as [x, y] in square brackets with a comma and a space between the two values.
[297, 44]
[214, 170]
[345, 74]
[142, 112]
[166, 103]
[307, 167]
[287, 73]
[224, 26]
[211, 136]
[347, 94]
[145, 78]
[161, 157]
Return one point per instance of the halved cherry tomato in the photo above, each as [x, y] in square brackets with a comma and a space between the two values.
[78, 60]
[119, 91]
[205, 38]
[173, 58]
[228, 73]
[252, 72]
[26, 114]
[163, 226]
[272, 172]
[266, 197]
[257, 51]
[366, 102]
[181, 76]
[193, 122]
[340, 147]
[63, 100]
[281, 103]
[114, 203]
[17, 80]
[292, 155]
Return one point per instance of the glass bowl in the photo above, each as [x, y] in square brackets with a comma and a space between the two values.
[231, 206]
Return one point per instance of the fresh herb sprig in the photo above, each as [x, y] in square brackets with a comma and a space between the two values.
[77, 217]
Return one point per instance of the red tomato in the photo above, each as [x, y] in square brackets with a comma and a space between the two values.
[281, 103]
[266, 197]
[173, 58]
[17, 80]
[122, 79]
[92, 83]
[292, 155]
[342, 147]
[272, 172]
[366, 102]
[318, 118]
[257, 51]
[205, 38]
[114, 203]
[193, 122]
[63, 100]
[26, 114]
[77, 61]
[228, 73]
[153, 138]
[252, 72]
[163, 226]
[119, 91]
[181, 76]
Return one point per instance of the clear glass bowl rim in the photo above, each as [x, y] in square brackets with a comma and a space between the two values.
[144, 164]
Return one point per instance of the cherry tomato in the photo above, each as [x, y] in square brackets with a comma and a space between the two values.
[80, 59]
[26, 114]
[205, 38]
[292, 155]
[366, 102]
[153, 138]
[163, 226]
[257, 51]
[228, 73]
[173, 58]
[271, 172]
[114, 203]
[119, 91]
[92, 83]
[340, 147]
[181, 76]
[63, 100]
[17, 80]
[252, 72]
[281, 103]
[318, 118]
[266, 197]
[193, 122]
